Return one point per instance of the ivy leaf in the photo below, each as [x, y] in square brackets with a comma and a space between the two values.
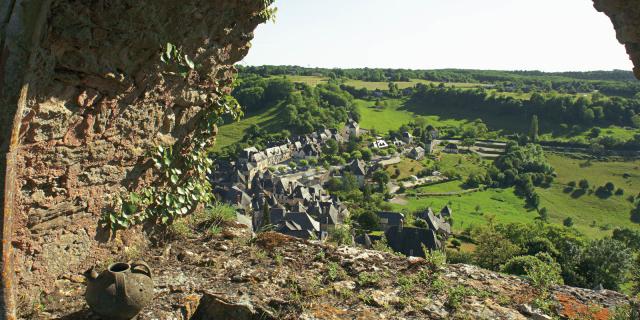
[169, 49]
[164, 219]
[189, 62]
[174, 179]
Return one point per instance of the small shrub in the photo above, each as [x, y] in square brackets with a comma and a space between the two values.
[457, 295]
[335, 272]
[545, 274]
[619, 192]
[368, 279]
[568, 222]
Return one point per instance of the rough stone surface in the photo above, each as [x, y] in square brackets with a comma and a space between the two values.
[625, 15]
[289, 278]
[98, 101]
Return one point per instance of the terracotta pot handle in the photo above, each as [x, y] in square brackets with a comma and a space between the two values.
[141, 267]
[121, 287]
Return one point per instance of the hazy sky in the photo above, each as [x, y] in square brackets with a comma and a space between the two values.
[548, 35]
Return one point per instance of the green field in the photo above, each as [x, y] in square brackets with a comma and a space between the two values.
[407, 167]
[584, 209]
[502, 203]
[372, 85]
[233, 132]
[392, 116]
[587, 208]
[450, 186]
[613, 131]
[463, 164]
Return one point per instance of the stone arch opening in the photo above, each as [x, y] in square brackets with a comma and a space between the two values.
[83, 100]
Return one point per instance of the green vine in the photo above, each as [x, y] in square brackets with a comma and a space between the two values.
[268, 13]
[182, 184]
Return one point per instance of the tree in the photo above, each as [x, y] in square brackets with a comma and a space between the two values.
[381, 177]
[277, 89]
[635, 275]
[249, 97]
[368, 220]
[605, 262]
[420, 223]
[544, 214]
[583, 184]
[493, 249]
[330, 147]
[534, 130]
[568, 222]
[610, 187]
[366, 154]
[635, 121]
[534, 200]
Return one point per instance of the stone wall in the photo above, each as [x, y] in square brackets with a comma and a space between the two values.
[96, 100]
[625, 15]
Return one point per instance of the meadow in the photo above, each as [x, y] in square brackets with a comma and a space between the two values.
[594, 216]
[233, 131]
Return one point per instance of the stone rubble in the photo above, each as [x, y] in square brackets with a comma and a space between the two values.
[273, 276]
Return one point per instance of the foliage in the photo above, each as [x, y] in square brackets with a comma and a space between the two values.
[493, 249]
[183, 184]
[341, 235]
[605, 262]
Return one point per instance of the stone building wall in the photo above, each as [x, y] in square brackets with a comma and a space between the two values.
[97, 101]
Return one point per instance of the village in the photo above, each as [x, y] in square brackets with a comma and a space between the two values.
[293, 199]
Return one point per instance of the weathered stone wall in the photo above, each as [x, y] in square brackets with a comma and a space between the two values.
[97, 101]
[625, 15]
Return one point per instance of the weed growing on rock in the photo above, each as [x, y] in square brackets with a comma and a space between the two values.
[368, 279]
[335, 272]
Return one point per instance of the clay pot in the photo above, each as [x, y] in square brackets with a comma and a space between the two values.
[121, 291]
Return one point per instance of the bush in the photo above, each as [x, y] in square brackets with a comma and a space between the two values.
[568, 222]
[456, 243]
[455, 256]
[619, 192]
[610, 187]
[584, 184]
[341, 235]
[572, 184]
[420, 223]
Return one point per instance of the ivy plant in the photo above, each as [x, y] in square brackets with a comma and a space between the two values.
[182, 183]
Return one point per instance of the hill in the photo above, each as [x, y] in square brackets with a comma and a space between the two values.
[279, 277]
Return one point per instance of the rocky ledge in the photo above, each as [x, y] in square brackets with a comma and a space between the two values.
[233, 275]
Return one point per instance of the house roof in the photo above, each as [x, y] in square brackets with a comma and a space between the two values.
[357, 167]
[329, 216]
[409, 240]
[446, 211]
[304, 220]
[392, 218]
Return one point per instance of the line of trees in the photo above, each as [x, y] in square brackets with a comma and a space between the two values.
[552, 109]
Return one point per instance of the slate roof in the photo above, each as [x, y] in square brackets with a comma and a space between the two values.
[294, 229]
[304, 220]
[391, 218]
[357, 167]
[329, 216]
[446, 211]
[409, 240]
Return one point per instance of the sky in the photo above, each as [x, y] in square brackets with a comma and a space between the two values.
[546, 35]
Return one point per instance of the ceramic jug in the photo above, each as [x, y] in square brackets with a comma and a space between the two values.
[121, 291]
